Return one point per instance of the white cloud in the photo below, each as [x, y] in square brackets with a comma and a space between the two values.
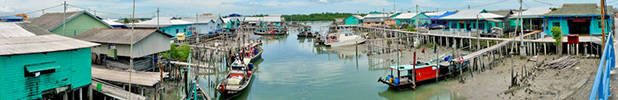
[6, 9]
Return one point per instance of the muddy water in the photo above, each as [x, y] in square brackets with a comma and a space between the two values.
[294, 69]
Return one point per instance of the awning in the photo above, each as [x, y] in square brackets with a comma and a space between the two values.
[41, 67]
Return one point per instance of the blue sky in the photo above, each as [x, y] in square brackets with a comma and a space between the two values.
[146, 8]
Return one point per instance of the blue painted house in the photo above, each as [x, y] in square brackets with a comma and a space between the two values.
[576, 19]
[37, 64]
[169, 25]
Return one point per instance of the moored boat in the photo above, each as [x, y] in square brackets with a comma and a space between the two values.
[419, 72]
[343, 40]
[237, 80]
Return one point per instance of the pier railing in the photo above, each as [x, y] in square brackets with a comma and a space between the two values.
[600, 88]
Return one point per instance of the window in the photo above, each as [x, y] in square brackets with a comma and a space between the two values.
[185, 30]
[556, 24]
[34, 70]
[177, 31]
[599, 24]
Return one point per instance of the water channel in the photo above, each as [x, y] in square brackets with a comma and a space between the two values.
[294, 69]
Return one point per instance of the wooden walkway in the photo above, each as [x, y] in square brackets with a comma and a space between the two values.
[139, 78]
[116, 92]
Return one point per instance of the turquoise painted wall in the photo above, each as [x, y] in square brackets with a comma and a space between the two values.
[72, 68]
[79, 24]
[595, 28]
[171, 30]
[487, 25]
[352, 21]
[422, 18]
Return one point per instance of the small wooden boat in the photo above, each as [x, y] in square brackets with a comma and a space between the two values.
[419, 72]
[308, 34]
[237, 80]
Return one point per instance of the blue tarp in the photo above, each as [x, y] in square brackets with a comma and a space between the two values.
[443, 15]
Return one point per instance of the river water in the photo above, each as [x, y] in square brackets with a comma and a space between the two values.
[294, 69]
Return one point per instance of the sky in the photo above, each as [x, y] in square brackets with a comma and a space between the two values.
[147, 8]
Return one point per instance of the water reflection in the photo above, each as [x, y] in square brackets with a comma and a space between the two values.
[294, 68]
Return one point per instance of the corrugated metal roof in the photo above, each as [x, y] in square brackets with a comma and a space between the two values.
[163, 22]
[117, 36]
[534, 12]
[112, 22]
[39, 44]
[358, 16]
[406, 16]
[263, 19]
[471, 14]
[377, 15]
[576, 9]
[374, 20]
[10, 30]
[435, 13]
[51, 21]
[201, 19]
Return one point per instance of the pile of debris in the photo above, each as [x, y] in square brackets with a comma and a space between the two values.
[560, 63]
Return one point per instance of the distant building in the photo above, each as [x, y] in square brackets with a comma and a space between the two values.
[435, 20]
[37, 64]
[169, 25]
[205, 24]
[577, 19]
[374, 19]
[115, 24]
[466, 21]
[353, 20]
[419, 19]
[116, 43]
[76, 22]
[532, 18]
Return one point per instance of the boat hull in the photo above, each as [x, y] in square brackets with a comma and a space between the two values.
[344, 43]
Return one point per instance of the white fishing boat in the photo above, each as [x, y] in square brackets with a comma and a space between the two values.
[344, 40]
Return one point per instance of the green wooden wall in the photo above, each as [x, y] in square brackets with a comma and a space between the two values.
[79, 24]
[72, 68]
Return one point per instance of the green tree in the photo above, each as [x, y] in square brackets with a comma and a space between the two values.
[178, 53]
[557, 35]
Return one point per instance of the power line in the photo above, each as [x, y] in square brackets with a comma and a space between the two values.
[34, 11]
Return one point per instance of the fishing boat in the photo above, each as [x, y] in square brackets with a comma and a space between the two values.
[343, 40]
[420, 72]
[237, 80]
[253, 52]
[271, 31]
[306, 32]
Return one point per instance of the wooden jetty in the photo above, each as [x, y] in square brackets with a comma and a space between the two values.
[115, 91]
[139, 78]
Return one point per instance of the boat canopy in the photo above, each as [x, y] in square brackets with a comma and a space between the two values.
[409, 67]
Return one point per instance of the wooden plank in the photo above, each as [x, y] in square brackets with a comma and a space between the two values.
[198, 65]
[116, 92]
[138, 77]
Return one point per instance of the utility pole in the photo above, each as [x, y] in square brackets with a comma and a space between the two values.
[197, 20]
[131, 49]
[64, 17]
[521, 34]
[158, 18]
[603, 23]
[416, 20]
